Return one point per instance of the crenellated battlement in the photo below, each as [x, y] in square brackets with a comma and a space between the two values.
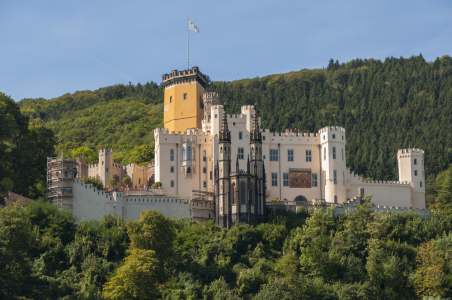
[105, 151]
[291, 134]
[332, 128]
[410, 151]
[210, 96]
[188, 132]
[185, 76]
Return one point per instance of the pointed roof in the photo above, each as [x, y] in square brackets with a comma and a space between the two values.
[256, 135]
[225, 134]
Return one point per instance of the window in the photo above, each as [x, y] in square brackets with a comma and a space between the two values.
[65, 174]
[342, 153]
[273, 154]
[415, 161]
[188, 153]
[172, 169]
[106, 169]
[204, 184]
[421, 183]
[264, 156]
[334, 136]
[185, 96]
[342, 137]
[313, 179]
[204, 170]
[274, 179]
[172, 183]
[286, 179]
[204, 158]
[343, 178]
[308, 155]
[289, 155]
[240, 135]
[252, 117]
[240, 153]
[324, 153]
[216, 116]
[324, 137]
[188, 170]
[335, 176]
[172, 155]
[102, 162]
[263, 137]
[335, 199]
[210, 175]
[243, 193]
[183, 154]
[334, 152]
[324, 177]
[170, 99]
[415, 172]
[233, 194]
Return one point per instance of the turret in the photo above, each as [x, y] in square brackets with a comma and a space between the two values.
[256, 147]
[223, 204]
[411, 169]
[105, 163]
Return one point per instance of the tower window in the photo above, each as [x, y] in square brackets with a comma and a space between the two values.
[285, 179]
[188, 153]
[415, 161]
[342, 153]
[274, 179]
[335, 198]
[210, 175]
[171, 154]
[334, 136]
[172, 183]
[342, 137]
[421, 183]
[263, 137]
[102, 162]
[106, 169]
[204, 184]
[264, 156]
[273, 154]
[415, 172]
[313, 179]
[170, 99]
[185, 96]
[65, 174]
[335, 176]
[204, 170]
[334, 152]
[240, 153]
[289, 155]
[216, 116]
[183, 154]
[308, 155]
[172, 169]
[204, 158]
[240, 135]
[242, 193]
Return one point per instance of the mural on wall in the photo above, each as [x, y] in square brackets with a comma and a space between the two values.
[300, 179]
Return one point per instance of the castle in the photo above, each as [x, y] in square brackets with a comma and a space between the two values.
[227, 168]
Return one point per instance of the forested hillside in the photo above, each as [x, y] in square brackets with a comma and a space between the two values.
[384, 106]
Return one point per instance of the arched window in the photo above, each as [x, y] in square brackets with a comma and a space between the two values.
[233, 193]
[335, 199]
[188, 153]
[183, 154]
[300, 198]
[188, 170]
[242, 193]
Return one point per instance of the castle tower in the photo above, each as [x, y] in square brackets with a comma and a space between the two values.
[81, 167]
[257, 167]
[411, 169]
[105, 163]
[183, 99]
[333, 163]
[222, 197]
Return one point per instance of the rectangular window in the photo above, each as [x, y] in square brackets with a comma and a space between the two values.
[204, 158]
[342, 137]
[106, 169]
[172, 169]
[102, 162]
[170, 99]
[263, 137]
[342, 153]
[204, 184]
[324, 153]
[240, 135]
[210, 175]
[273, 154]
[204, 170]
[334, 152]
[286, 179]
[313, 179]
[421, 183]
[264, 156]
[274, 179]
[65, 174]
[289, 155]
[415, 161]
[335, 176]
[172, 183]
[185, 96]
[216, 116]
[172, 155]
[415, 172]
[240, 153]
[308, 155]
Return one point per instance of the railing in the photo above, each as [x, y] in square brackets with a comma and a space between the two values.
[148, 193]
[302, 203]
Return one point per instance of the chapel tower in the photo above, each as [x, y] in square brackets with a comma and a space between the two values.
[183, 99]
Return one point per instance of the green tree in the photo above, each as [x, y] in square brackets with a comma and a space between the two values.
[154, 231]
[90, 155]
[112, 182]
[136, 279]
[444, 199]
[95, 181]
[126, 180]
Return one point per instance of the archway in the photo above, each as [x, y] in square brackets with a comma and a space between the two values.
[300, 198]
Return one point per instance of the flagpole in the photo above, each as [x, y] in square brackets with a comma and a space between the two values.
[188, 53]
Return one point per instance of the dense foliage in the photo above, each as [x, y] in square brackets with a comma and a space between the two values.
[384, 106]
[363, 255]
[25, 144]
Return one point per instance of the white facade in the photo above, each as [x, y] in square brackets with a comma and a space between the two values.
[319, 156]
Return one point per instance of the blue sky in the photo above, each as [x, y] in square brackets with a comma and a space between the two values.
[49, 48]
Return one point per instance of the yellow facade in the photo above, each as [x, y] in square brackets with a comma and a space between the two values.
[180, 114]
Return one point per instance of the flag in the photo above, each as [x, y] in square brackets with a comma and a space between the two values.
[192, 26]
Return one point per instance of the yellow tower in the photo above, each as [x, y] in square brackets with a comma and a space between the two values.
[183, 103]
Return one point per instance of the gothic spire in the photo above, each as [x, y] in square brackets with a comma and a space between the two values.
[225, 134]
[256, 135]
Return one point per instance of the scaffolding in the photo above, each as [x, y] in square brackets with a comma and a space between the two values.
[60, 173]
